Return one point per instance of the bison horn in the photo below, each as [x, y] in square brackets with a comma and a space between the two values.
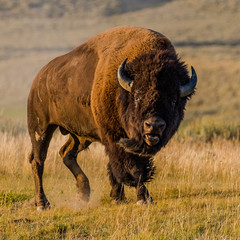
[123, 80]
[188, 88]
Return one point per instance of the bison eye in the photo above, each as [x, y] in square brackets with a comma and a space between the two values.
[136, 99]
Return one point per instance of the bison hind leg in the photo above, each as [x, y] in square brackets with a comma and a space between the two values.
[40, 142]
[69, 152]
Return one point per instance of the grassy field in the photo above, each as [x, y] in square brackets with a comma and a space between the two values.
[196, 188]
[196, 193]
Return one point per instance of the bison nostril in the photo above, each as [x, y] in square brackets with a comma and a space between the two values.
[148, 125]
[162, 125]
[154, 127]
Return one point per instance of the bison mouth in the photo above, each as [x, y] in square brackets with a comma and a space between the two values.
[147, 147]
[151, 139]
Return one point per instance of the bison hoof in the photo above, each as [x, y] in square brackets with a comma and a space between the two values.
[43, 206]
[84, 197]
[119, 201]
[40, 208]
[141, 202]
[149, 200]
[116, 201]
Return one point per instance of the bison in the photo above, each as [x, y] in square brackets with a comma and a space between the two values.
[125, 88]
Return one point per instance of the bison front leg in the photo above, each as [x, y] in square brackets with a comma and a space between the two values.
[69, 154]
[117, 191]
[143, 196]
[141, 174]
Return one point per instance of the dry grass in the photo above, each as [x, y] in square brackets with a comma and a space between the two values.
[196, 191]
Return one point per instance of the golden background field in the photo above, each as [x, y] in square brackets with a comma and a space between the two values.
[205, 33]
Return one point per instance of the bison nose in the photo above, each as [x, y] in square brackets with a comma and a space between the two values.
[154, 126]
[153, 130]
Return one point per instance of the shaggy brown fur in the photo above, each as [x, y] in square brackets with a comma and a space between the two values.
[80, 93]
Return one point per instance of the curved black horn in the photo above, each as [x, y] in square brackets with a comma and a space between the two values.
[188, 88]
[123, 80]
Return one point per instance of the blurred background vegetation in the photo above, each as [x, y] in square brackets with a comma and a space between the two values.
[205, 34]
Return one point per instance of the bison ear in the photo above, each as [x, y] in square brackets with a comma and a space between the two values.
[125, 82]
[188, 88]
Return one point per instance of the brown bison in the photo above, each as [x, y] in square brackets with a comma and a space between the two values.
[125, 88]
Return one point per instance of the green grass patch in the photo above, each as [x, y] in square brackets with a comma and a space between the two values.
[11, 197]
[198, 218]
[210, 131]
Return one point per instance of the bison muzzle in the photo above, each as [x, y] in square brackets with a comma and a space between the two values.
[125, 88]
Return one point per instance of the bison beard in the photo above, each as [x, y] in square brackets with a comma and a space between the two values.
[125, 88]
[131, 169]
[138, 148]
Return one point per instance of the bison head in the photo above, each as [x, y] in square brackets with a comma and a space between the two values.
[153, 94]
